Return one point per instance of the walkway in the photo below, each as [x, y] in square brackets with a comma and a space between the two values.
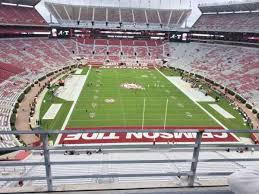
[23, 113]
[199, 190]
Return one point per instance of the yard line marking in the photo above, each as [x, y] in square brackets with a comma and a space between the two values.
[166, 112]
[72, 108]
[197, 104]
[143, 114]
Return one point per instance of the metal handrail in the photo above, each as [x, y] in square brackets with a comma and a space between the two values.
[191, 174]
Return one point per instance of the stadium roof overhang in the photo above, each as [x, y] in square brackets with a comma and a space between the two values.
[83, 16]
[21, 2]
[230, 7]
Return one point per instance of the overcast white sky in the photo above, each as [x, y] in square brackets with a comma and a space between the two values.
[174, 4]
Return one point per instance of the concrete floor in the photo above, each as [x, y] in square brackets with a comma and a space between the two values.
[203, 190]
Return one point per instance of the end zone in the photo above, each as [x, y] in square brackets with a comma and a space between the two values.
[129, 137]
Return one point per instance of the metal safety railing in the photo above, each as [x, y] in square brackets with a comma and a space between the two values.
[191, 174]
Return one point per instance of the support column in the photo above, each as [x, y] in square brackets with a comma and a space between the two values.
[195, 158]
[47, 162]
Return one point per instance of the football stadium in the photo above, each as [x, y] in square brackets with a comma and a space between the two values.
[129, 96]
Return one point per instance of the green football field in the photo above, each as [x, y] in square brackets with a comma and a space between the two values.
[103, 102]
[132, 106]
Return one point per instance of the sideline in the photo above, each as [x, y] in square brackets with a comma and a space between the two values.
[194, 93]
[238, 139]
[40, 101]
[72, 108]
[222, 111]
[52, 111]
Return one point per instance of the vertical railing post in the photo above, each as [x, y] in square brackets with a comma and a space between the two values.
[195, 158]
[47, 161]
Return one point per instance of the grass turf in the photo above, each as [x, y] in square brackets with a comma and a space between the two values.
[56, 123]
[127, 110]
[235, 123]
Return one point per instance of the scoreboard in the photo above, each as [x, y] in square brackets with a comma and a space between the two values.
[173, 36]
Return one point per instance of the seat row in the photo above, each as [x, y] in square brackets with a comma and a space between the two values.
[232, 66]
